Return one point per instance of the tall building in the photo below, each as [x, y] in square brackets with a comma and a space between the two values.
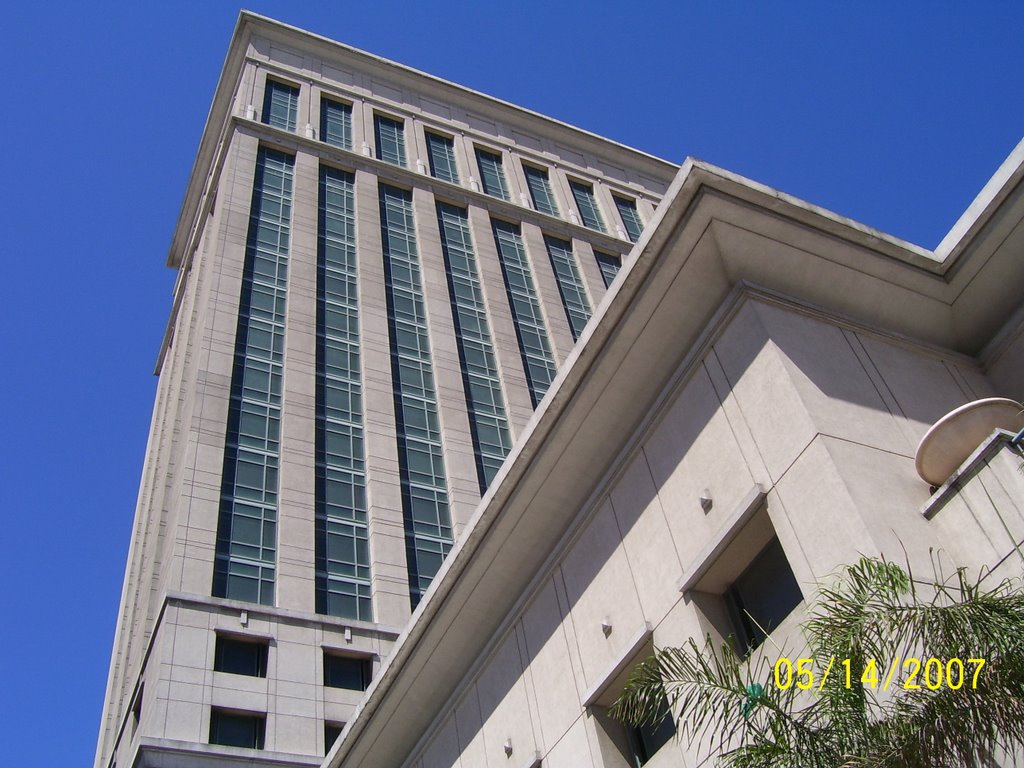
[379, 275]
[426, 476]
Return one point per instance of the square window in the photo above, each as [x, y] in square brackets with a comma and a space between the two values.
[646, 740]
[351, 672]
[586, 204]
[331, 733]
[609, 266]
[238, 656]
[492, 174]
[630, 217]
[390, 139]
[540, 190]
[623, 745]
[741, 583]
[762, 596]
[280, 105]
[336, 123]
[237, 729]
[441, 153]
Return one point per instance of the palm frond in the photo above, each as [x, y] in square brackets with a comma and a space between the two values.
[875, 610]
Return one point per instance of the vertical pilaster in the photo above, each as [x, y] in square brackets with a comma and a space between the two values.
[609, 212]
[416, 146]
[646, 208]
[589, 271]
[519, 190]
[388, 568]
[297, 499]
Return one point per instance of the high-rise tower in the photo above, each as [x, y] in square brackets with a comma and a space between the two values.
[425, 468]
[379, 275]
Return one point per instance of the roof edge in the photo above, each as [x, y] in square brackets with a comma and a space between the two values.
[984, 205]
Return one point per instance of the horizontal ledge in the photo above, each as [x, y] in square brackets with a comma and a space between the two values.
[995, 442]
[618, 665]
[739, 517]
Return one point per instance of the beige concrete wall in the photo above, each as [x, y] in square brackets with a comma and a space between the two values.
[1005, 366]
[181, 686]
[981, 521]
[825, 417]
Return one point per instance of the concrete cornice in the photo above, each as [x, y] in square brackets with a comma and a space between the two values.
[250, 24]
[984, 206]
[214, 131]
[454, 93]
[713, 232]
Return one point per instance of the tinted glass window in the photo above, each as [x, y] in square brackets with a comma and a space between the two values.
[240, 657]
[764, 594]
[236, 730]
[347, 672]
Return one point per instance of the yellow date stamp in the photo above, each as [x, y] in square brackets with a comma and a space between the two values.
[913, 673]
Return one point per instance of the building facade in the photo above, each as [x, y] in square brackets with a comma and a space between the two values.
[379, 275]
[428, 473]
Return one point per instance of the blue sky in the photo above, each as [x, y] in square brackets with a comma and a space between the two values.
[895, 116]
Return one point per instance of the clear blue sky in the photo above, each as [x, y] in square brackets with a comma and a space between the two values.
[894, 114]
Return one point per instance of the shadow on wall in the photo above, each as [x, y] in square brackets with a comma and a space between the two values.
[789, 377]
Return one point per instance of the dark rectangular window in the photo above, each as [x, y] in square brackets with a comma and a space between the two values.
[763, 595]
[540, 190]
[492, 174]
[441, 152]
[646, 740]
[609, 266]
[586, 203]
[235, 729]
[570, 286]
[331, 733]
[137, 706]
[352, 672]
[336, 123]
[390, 139]
[240, 657]
[630, 217]
[280, 105]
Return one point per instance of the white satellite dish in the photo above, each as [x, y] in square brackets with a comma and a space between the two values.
[956, 435]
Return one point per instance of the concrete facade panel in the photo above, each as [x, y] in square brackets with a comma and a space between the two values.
[601, 591]
[557, 690]
[760, 381]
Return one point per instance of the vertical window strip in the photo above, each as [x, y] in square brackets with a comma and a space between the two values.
[336, 123]
[280, 105]
[630, 217]
[390, 140]
[574, 297]
[489, 423]
[540, 190]
[428, 527]
[538, 362]
[247, 527]
[441, 152]
[342, 551]
[492, 174]
[609, 266]
[587, 205]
